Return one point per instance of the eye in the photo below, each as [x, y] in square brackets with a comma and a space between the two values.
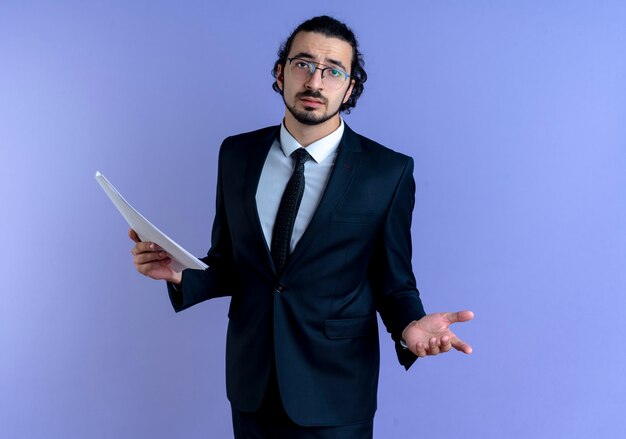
[336, 73]
[302, 65]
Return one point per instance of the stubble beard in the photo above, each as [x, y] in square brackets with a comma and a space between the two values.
[308, 117]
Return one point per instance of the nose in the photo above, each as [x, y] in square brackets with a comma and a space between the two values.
[315, 80]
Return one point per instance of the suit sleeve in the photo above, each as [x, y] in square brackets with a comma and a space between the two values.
[200, 285]
[398, 301]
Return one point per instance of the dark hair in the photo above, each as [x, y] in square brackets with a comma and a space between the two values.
[329, 27]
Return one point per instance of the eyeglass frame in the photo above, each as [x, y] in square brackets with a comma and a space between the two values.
[316, 67]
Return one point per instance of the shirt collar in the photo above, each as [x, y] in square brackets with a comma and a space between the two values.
[319, 150]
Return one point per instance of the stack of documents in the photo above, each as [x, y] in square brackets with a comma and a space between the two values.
[181, 258]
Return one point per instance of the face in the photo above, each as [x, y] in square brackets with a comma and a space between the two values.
[309, 101]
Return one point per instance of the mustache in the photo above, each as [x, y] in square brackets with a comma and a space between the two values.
[312, 94]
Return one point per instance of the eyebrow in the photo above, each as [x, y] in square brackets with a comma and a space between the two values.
[307, 55]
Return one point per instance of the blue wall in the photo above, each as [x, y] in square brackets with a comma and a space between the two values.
[513, 110]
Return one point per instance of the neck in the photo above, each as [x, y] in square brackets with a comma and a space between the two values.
[307, 134]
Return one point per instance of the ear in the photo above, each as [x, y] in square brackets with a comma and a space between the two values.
[348, 92]
[280, 77]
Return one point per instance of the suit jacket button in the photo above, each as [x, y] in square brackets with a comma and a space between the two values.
[279, 288]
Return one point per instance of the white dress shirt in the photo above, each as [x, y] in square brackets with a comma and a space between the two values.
[277, 171]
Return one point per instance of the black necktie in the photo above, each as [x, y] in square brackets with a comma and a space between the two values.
[287, 211]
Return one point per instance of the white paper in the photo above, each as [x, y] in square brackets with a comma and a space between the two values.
[181, 258]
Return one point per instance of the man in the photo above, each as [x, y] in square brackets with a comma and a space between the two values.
[311, 238]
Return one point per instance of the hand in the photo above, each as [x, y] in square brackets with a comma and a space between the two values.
[150, 260]
[431, 335]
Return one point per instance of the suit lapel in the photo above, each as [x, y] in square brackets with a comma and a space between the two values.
[256, 160]
[348, 156]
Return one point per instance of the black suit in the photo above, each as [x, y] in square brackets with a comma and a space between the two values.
[319, 316]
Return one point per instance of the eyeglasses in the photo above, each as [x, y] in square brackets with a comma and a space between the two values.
[302, 69]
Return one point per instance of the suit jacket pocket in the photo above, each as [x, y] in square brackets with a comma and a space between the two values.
[349, 328]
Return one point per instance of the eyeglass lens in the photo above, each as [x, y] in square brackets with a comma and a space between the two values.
[332, 78]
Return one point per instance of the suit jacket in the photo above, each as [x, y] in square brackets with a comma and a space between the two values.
[318, 317]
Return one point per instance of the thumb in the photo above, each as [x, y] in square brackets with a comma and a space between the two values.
[461, 316]
[133, 235]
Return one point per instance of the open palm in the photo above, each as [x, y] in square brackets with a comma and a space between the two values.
[431, 335]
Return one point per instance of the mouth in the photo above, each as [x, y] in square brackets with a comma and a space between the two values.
[312, 97]
[311, 102]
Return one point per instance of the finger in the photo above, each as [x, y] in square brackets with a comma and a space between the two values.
[420, 349]
[147, 257]
[165, 261]
[461, 346]
[446, 345]
[142, 247]
[149, 265]
[133, 235]
[154, 247]
[433, 346]
[461, 316]
[152, 268]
